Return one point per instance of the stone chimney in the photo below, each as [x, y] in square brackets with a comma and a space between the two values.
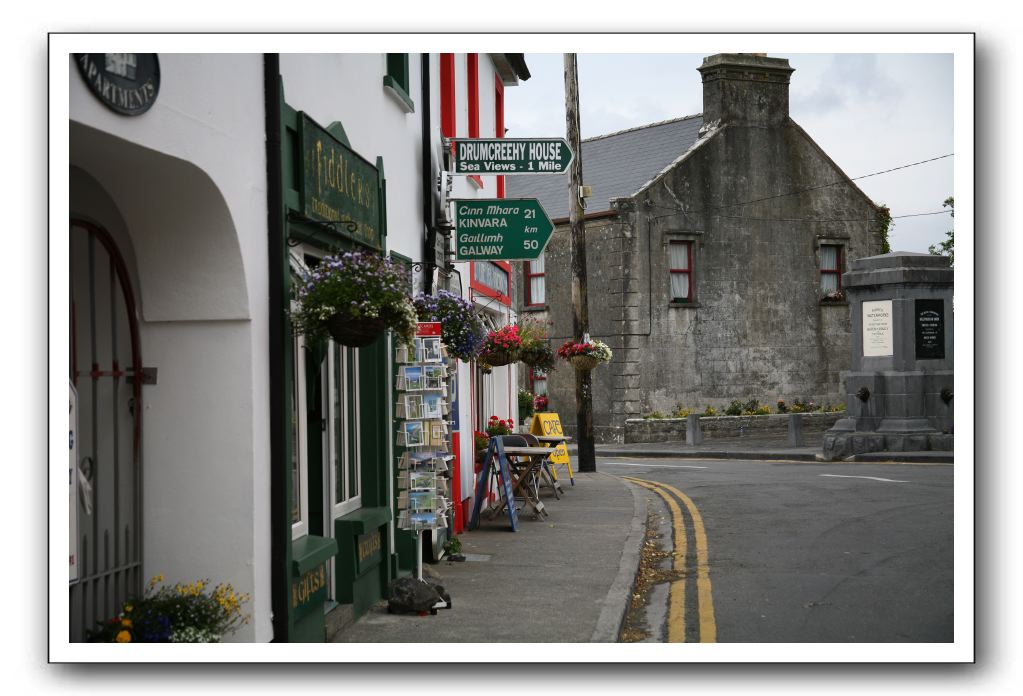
[746, 89]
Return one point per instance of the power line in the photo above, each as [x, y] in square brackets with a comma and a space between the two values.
[810, 188]
[822, 220]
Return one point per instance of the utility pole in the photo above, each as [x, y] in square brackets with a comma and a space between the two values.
[586, 459]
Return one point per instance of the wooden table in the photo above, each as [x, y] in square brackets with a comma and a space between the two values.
[526, 464]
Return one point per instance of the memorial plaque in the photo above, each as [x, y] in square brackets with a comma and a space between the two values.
[877, 329]
[930, 329]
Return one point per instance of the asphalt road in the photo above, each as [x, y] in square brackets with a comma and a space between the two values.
[805, 552]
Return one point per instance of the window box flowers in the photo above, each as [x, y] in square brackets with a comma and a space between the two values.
[461, 329]
[498, 426]
[353, 297]
[833, 296]
[193, 613]
[585, 355]
[540, 403]
[501, 347]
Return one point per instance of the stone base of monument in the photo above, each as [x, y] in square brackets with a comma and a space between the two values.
[899, 390]
[410, 595]
[893, 435]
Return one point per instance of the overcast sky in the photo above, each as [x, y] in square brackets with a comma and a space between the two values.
[869, 112]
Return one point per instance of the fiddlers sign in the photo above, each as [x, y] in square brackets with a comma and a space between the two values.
[510, 155]
[500, 229]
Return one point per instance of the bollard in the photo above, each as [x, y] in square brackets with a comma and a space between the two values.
[795, 430]
[694, 436]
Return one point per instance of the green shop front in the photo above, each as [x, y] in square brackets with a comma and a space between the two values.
[334, 550]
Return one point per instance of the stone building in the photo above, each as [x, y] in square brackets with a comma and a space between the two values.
[715, 248]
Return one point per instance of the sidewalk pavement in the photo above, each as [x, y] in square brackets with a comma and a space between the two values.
[565, 579]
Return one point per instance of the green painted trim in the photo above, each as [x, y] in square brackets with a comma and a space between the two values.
[365, 519]
[337, 129]
[310, 551]
[399, 92]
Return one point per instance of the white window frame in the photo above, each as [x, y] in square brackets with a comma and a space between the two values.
[300, 528]
[339, 508]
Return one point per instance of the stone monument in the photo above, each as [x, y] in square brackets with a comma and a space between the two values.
[898, 394]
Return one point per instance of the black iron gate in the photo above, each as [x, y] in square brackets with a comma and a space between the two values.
[106, 369]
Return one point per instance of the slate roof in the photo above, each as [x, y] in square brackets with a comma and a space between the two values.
[615, 165]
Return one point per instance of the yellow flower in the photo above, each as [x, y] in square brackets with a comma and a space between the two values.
[128, 608]
[124, 637]
[126, 623]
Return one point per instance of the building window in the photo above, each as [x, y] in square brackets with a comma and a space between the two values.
[344, 445]
[535, 283]
[831, 271]
[538, 382]
[397, 80]
[493, 278]
[680, 269]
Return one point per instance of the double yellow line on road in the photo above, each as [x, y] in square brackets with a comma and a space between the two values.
[677, 589]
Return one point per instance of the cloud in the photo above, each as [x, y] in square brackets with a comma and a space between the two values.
[847, 82]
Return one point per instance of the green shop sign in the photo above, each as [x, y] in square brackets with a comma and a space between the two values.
[339, 186]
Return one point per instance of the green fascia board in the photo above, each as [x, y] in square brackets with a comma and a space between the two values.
[365, 519]
[310, 551]
[399, 91]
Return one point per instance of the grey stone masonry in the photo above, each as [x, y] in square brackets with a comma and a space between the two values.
[718, 427]
[899, 391]
[706, 280]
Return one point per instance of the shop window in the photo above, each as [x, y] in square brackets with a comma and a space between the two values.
[397, 80]
[299, 465]
[344, 446]
[680, 270]
[831, 271]
[536, 280]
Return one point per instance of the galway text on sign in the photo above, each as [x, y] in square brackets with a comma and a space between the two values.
[500, 229]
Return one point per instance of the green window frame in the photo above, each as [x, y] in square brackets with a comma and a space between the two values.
[397, 80]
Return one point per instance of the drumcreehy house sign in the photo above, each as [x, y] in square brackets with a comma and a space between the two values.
[126, 82]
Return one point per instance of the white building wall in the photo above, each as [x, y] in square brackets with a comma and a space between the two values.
[197, 158]
[203, 305]
[349, 88]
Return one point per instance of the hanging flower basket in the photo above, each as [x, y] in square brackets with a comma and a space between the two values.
[499, 358]
[462, 331]
[355, 333]
[353, 298]
[584, 363]
[585, 355]
[501, 347]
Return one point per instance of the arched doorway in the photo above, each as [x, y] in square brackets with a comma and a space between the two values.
[106, 369]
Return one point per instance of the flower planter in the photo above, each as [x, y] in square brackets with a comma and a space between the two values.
[584, 362]
[355, 333]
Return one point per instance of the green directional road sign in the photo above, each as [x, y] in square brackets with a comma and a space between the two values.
[500, 229]
[511, 155]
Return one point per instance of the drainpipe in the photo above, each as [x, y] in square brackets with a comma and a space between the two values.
[429, 257]
[279, 527]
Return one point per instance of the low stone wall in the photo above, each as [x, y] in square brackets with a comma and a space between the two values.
[674, 429]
